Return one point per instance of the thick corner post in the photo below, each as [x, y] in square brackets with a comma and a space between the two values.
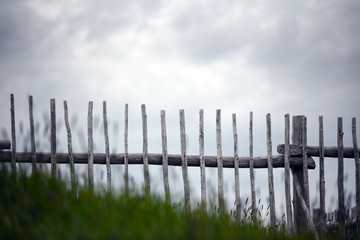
[299, 214]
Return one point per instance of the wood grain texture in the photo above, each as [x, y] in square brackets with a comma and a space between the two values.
[145, 149]
[322, 174]
[313, 151]
[32, 135]
[251, 167]
[107, 148]
[184, 159]
[289, 221]
[13, 132]
[156, 159]
[236, 170]
[341, 196]
[69, 141]
[219, 162]
[357, 168]
[53, 137]
[270, 170]
[126, 145]
[165, 156]
[90, 156]
[305, 168]
[202, 156]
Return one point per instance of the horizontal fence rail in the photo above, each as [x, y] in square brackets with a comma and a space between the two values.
[294, 157]
[157, 159]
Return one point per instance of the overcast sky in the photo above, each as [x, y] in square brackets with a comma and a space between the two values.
[297, 57]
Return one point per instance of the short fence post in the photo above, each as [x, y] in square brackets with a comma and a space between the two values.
[299, 214]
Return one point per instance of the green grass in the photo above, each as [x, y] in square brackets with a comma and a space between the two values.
[38, 207]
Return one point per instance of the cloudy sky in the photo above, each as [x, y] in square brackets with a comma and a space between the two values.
[297, 57]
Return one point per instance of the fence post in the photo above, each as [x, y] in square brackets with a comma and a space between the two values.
[299, 214]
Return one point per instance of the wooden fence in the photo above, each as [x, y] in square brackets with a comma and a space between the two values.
[295, 158]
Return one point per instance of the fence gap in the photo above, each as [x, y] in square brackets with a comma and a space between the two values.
[13, 133]
[145, 149]
[357, 172]
[184, 160]
[219, 162]
[341, 197]
[251, 168]
[322, 174]
[126, 151]
[236, 171]
[165, 156]
[270, 170]
[202, 156]
[305, 165]
[53, 137]
[90, 147]
[107, 153]
[69, 140]
[289, 220]
[32, 136]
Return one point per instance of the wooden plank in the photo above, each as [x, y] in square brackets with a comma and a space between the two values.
[70, 151]
[107, 151]
[309, 221]
[145, 149]
[90, 147]
[184, 160]
[322, 174]
[156, 159]
[251, 168]
[305, 167]
[5, 144]
[219, 162]
[289, 221]
[236, 170]
[13, 133]
[330, 152]
[357, 170]
[341, 196]
[32, 135]
[165, 156]
[53, 137]
[202, 156]
[126, 144]
[270, 171]
[299, 215]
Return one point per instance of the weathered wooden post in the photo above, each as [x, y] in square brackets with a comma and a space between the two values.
[299, 214]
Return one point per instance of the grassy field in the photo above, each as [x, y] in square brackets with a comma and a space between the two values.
[37, 207]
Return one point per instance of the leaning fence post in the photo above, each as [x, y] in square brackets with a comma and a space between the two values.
[305, 165]
[71, 156]
[299, 214]
[270, 170]
[13, 133]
